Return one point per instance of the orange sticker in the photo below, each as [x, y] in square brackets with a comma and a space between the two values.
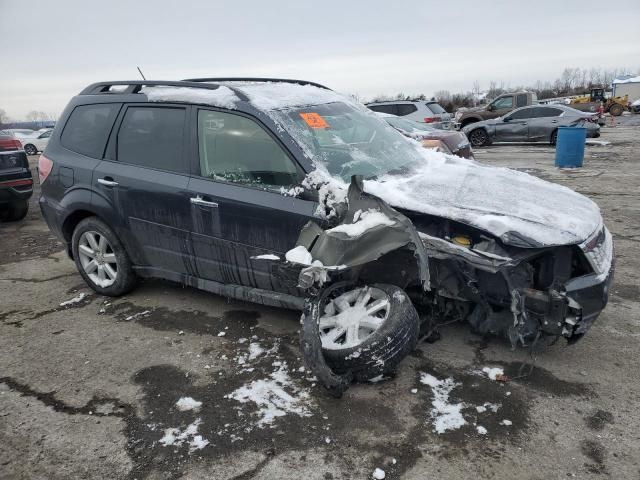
[314, 120]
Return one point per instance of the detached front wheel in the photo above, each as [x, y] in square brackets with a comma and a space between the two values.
[366, 330]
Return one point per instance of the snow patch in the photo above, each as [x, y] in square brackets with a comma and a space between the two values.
[275, 396]
[189, 435]
[220, 97]
[481, 430]
[300, 255]
[268, 256]
[506, 422]
[76, 299]
[493, 372]
[379, 474]
[363, 221]
[445, 415]
[187, 403]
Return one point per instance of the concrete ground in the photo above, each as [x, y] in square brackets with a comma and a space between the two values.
[89, 389]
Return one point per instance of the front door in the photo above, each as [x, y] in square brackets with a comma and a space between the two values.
[243, 201]
[513, 127]
[145, 175]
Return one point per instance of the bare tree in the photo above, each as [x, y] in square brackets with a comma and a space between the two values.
[4, 118]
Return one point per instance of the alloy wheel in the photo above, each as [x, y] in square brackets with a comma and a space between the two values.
[98, 259]
[352, 317]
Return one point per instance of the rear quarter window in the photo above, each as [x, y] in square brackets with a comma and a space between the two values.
[436, 108]
[406, 108]
[88, 128]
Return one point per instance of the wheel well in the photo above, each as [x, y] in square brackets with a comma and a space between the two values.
[469, 121]
[72, 221]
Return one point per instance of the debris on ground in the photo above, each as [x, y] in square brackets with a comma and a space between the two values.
[76, 299]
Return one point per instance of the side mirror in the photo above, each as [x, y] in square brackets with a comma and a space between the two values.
[491, 107]
[506, 119]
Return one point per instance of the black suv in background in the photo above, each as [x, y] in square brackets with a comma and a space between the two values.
[16, 182]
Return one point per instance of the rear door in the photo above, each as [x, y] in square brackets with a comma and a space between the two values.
[544, 121]
[144, 177]
[242, 200]
[514, 127]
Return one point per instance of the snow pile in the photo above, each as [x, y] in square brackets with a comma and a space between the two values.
[76, 299]
[275, 396]
[255, 350]
[278, 95]
[300, 255]
[379, 474]
[493, 372]
[187, 403]
[189, 435]
[498, 200]
[445, 415]
[222, 96]
[332, 191]
[362, 222]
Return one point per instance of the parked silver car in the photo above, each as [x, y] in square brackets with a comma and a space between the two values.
[535, 123]
[419, 111]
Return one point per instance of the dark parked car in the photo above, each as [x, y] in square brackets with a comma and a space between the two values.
[16, 182]
[289, 194]
[445, 141]
[537, 123]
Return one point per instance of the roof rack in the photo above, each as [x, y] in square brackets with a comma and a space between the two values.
[255, 79]
[134, 86]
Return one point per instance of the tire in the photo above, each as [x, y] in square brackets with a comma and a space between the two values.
[111, 253]
[479, 137]
[17, 210]
[30, 149]
[554, 137]
[616, 110]
[382, 350]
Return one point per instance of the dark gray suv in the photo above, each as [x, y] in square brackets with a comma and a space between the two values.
[286, 193]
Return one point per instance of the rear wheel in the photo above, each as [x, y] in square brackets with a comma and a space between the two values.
[16, 210]
[366, 330]
[479, 137]
[30, 149]
[616, 110]
[101, 259]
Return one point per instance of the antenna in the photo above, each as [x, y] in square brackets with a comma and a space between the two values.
[141, 74]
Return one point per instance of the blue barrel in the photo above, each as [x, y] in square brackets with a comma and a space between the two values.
[570, 147]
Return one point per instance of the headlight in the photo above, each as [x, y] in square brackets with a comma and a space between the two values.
[436, 145]
[599, 251]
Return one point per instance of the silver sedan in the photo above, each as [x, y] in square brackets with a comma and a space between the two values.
[535, 123]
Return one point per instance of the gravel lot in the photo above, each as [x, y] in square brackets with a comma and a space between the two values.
[88, 389]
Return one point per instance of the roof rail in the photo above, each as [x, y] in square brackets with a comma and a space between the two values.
[134, 86]
[255, 79]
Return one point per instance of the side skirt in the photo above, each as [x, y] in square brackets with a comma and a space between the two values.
[238, 292]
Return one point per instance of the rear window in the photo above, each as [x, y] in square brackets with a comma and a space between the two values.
[88, 127]
[436, 108]
[521, 100]
[153, 137]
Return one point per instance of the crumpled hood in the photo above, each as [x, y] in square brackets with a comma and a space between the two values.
[518, 208]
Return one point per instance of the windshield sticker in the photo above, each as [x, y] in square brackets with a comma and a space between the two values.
[314, 120]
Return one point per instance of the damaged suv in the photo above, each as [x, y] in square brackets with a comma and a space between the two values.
[285, 193]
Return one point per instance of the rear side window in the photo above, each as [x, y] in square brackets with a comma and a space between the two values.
[391, 109]
[236, 149]
[436, 108]
[548, 112]
[406, 109]
[88, 127]
[153, 137]
[521, 100]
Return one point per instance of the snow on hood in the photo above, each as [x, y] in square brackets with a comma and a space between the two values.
[493, 199]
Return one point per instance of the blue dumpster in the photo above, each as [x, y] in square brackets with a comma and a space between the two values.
[570, 147]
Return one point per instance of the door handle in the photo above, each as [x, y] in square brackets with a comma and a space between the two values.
[198, 200]
[108, 182]
[554, 121]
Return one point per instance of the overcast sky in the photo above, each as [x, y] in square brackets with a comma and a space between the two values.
[52, 49]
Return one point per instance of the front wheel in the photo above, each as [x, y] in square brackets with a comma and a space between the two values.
[554, 137]
[479, 137]
[101, 259]
[366, 330]
[30, 149]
